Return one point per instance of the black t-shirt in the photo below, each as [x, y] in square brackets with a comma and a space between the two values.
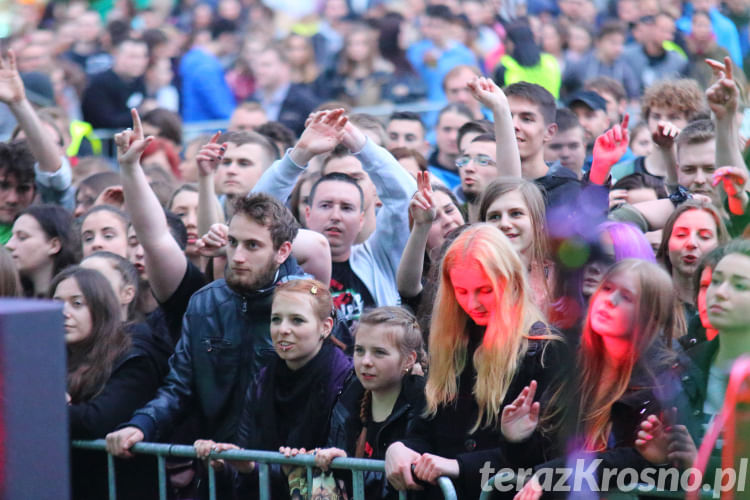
[175, 306]
[350, 295]
[373, 428]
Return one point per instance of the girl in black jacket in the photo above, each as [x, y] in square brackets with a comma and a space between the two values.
[381, 404]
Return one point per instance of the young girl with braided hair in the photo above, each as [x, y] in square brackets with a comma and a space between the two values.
[377, 408]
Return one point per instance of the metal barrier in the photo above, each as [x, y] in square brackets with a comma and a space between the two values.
[631, 492]
[263, 458]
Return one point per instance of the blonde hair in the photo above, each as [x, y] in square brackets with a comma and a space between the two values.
[505, 340]
[655, 314]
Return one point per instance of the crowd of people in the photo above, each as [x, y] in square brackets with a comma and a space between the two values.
[554, 263]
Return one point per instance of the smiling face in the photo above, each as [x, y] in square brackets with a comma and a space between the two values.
[447, 219]
[510, 214]
[104, 230]
[136, 255]
[613, 306]
[728, 295]
[30, 246]
[378, 362]
[694, 234]
[296, 332]
[528, 122]
[474, 292]
[76, 313]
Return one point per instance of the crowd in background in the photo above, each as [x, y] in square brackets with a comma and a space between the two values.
[439, 233]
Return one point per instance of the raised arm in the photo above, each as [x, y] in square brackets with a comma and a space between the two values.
[13, 94]
[723, 99]
[422, 209]
[608, 149]
[664, 138]
[165, 262]
[493, 98]
[209, 208]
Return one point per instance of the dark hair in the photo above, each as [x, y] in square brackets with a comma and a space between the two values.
[56, 222]
[100, 181]
[388, 43]
[168, 122]
[439, 11]
[611, 27]
[406, 116]
[221, 26]
[477, 126]
[108, 208]
[271, 213]
[90, 362]
[456, 107]
[399, 153]
[128, 273]
[176, 228]
[153, 38]
[696, 132]
[566, 120]
[708, 261]
[537, 95]
[16, 160]
[484, 138]
[606, 84]
[638, 180]
[277, 132]
[190, 187]
[295, 197]
[339, 177]
[240, 137]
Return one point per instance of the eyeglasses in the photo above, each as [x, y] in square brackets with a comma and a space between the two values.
[480, 160]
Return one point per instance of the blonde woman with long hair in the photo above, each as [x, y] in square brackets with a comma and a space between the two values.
[490, 354]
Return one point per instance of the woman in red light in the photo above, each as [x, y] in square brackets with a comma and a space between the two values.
[490, 352]
[625, 364]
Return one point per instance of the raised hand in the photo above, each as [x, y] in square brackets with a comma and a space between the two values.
[131, 143]
[488, 93]
[422, 206]
[323, 131]
[665, 134]
[608, 149]
[11, 85]
[723, 95]
[520, 418]
[213, 243]
[733, 180]
[652, 441]
[210, 155]
[113, 195]
[681, 449]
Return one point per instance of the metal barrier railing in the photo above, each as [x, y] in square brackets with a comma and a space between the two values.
[358, 466]
[630, 492]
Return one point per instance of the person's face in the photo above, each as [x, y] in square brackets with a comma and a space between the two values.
[446, 133]
[267, 69]
[594, 122]
[296, 331]
[480, 167]
[185, 206]
[700, 302]
[696, 166]
[474, 292]
[531, 131]
[336, 212]
[456, 90]
[702, 29]
[659, 113]
[104, 230]
[613, 306]
[378, 362]
[610, 47]
[251, 257]
[246, 119]
[29, 245]
[447, 219]
[136, 255]
[85, 198]
[359, 47]
[568, 147]
[510, 214]
[88, 27]
[14, 196]
[641, 144]
[593, 272]
[131, 59]
[694, 235]
[298, 51]
[188, 166]
[34, 57]
[160, 74]
[615, 108]
[352, 167]
[627, 11]
[304, 200]
[76, 313]
[579, 40]
[406, 134]
[728, 296]
[241, 168]
[551, 41]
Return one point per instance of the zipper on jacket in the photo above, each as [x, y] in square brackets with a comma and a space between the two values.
[244, 305]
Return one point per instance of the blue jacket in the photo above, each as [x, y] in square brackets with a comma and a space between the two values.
[455, 55]
[205, 92]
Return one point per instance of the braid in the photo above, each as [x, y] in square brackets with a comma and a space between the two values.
[365, 415]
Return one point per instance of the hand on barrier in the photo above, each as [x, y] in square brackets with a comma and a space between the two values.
[119, 442]
[398, 466]
[430, 467]
[324, 457]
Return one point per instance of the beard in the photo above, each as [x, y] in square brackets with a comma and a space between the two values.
[252, 281]
[471, 197]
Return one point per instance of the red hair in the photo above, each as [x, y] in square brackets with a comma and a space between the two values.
[159, 144]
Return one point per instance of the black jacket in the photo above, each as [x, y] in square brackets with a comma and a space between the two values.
[447, 434]
[225, 341]
[298, 104]
[108, 99]
[346, 427]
